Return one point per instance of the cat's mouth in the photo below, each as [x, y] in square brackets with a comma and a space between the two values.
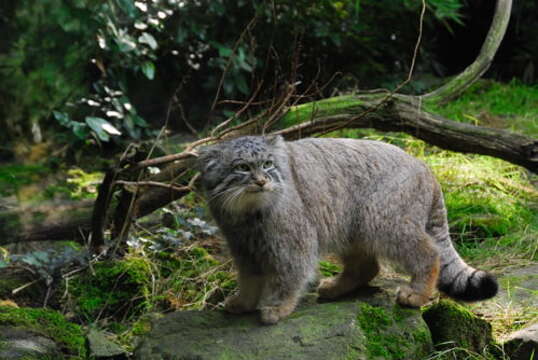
[255, 188]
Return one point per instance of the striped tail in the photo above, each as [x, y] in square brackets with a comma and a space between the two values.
[456, 279]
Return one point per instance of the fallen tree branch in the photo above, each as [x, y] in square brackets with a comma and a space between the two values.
[404, 114]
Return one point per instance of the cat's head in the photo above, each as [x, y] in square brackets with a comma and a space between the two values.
[242, 175]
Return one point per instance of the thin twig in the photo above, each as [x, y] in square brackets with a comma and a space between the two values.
[401, 85]
[162, 160]
[238, 113]
[154, 184]
[20, 288]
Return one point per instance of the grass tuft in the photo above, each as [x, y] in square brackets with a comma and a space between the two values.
[512, 106]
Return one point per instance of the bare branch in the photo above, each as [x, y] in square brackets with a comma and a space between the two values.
[496, 32]
[180, 189]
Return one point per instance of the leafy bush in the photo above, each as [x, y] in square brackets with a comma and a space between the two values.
[101, 69]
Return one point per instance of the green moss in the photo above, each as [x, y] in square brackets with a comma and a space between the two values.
[452, 325]
[327, 268]
[116, 288]
[141, 327]
[12, 177]
[378, 324]
[50, 323]
[305, 112]
[508, 105]
[83, 185]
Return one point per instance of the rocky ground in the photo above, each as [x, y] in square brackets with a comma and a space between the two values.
[365, 325]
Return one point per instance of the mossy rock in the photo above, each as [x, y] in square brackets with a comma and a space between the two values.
[38, 325]
[115, 288]
[523, 344]
[366, 327]
[452, 325]
[21, 344]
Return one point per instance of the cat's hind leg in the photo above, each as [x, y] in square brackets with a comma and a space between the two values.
[420, 259]
[246, 300]
[359, 268]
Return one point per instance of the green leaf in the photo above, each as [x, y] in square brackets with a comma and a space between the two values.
[62, 118]
[101, 127]
[148, 68]
[137, 120]
[148, 39]
[224, 51]
[80, 130]
[242, 84]
[128, 7]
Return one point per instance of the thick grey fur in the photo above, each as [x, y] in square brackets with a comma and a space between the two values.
[362, 200]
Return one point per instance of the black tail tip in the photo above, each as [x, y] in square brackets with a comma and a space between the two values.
[480, 286]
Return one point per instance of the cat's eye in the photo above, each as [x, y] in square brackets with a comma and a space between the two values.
[242, 168]
[268, 164]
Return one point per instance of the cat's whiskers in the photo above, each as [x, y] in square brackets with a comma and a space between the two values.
[230, 203]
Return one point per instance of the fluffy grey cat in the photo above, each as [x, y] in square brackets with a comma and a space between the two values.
[281, 205]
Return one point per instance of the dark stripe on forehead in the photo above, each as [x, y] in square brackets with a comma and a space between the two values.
[237, 161]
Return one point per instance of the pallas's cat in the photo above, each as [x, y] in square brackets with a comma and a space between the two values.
[282, 204]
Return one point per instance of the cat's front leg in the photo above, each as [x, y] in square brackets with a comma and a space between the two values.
[246, 300]
[280, 296]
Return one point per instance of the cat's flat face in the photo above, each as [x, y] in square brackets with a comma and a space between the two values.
[241, 175]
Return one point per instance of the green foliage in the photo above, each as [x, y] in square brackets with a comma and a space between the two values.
[512, 106]
[163, 270]
[51, 324]
[13, 177]
[48, 264]
[327, 268]
[81, 184]
[116, 288]
[486, 197]
[98, 69]
[45, 63]
[193, 279]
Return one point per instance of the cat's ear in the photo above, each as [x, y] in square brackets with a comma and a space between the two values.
[274, 140]
[208, 157]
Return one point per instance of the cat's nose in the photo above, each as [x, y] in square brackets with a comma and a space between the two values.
[260, 181]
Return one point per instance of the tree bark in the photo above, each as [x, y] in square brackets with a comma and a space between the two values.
[405, 114]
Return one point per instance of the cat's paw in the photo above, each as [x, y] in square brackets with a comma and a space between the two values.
[334, 287]
[270, 315]
[406, 296]
[328, 288]
[235, 304]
